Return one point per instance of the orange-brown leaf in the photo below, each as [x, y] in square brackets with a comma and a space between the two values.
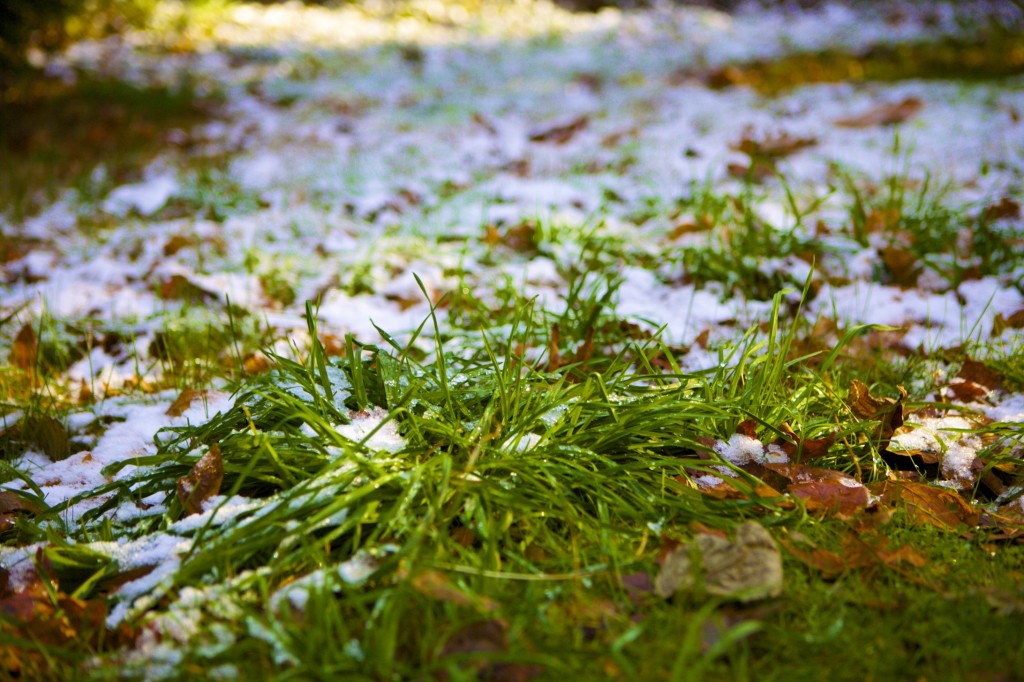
[771, 146]
[183, 402]
[203, 482]
[926, 504]
[824, 490]
[979, 373]
[436, 585]
[560, 133]
[883, 114]
[23, 352]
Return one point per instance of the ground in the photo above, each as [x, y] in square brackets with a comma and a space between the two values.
[491, 341]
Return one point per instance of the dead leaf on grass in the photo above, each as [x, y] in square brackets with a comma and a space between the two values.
[436, 585]
[823, 490]
[1002, 209]
[560, 133]
[474, 641]
[902, 264]
[748, 568]
[183, 402]
[883, 114]
[888, 411]
[979, 373]
[203, 482]
[771, 146]
[26, 345]
[13, 505]
[927, 504]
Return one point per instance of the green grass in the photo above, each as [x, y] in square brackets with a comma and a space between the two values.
[521, 552]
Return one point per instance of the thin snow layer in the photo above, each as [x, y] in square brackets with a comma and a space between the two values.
[741, 449]
[949, 439]
[351, 572]
[374, 429]
[131, 438]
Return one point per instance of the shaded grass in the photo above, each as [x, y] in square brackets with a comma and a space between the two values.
[995, 54]
[55, 134]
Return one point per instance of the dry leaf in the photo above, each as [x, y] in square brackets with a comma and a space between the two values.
[824, 490]
[474, 641]
[26, 345]
[771, 147]
[13, 505]
[1004, 208]
[746, 569]
[183, 402]
[560, 133]
[883, 114]
[980, 373]
[902, 265]
[927, 504]
[888, 411]
[436, 585]
[203, 482]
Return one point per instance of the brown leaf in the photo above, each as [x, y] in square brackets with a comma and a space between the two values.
[888, 411]
[771, 146]
[824, 490]
[48, 435]
[864, 551]
[967, 391]
[902, 265]
[829, 563]
[927, 504]
[1004, 208]
[13, 505]
[26, 345]
[748, 568]
[176, 244]
[883, 114]
[436, 585]
[31, 613]
[748, 428]
[203, 482]
[560, 133]
[979, 373]
[183, 402]
[476, 640]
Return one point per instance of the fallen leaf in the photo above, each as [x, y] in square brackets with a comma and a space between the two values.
[902, 265]
[1004, 208]
[1000, 323]
[967, 391]
[745, 569]
[475, 641]
[979, 373]
[887, 411]
[13, 505]
[203, 482]
[560, 133]
[771, 146]
[883, 114]
[824, 490]
[48, 435]
[436, 585]
[183, 402]
[927, 504]
[26, 345]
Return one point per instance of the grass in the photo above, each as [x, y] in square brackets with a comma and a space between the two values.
[60, 133]
[507, 523]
